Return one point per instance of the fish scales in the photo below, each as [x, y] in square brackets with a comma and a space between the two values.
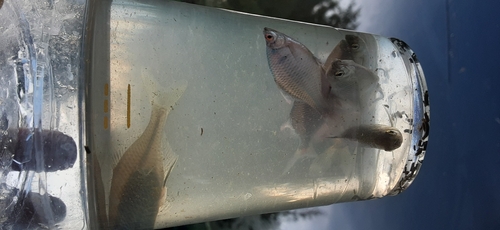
[141, 159]
[139, 209]
[296, 71]
[138, 182]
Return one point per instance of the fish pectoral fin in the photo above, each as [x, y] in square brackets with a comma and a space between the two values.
[287, 126]
[289, 99]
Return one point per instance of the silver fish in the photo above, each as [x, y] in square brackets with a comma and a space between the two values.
[375, 135]
[139, 178]
[352, 82]
[350, 48]
[297, 72]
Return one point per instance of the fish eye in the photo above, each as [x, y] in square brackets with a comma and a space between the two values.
[391, 132]
[269, 37]
[339, 73]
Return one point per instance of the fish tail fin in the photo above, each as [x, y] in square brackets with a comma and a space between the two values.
[300, 154]
[164, 96]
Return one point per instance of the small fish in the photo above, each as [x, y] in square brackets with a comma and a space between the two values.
[297, 72]
[351, 81]
[351, 48]
[139, 178]
[375, 136]
[311, 128]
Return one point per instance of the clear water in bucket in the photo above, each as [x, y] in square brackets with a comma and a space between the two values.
[225, 138]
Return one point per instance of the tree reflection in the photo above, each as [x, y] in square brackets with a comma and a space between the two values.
[268, 221]
[326, 12]
[265, 221]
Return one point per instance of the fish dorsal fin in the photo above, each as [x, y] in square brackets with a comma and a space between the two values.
[168, 171]
[169, 161]
[116, 156]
